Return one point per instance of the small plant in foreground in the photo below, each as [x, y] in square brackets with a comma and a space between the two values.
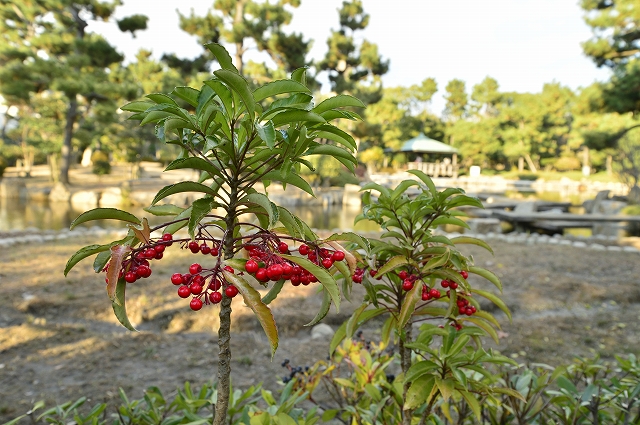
[236, 137]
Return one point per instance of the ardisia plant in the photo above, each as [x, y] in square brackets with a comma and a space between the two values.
[239, 140]
[415, 276]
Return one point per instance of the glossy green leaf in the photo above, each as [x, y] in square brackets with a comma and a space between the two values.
[420, 392]
[83, 253]
[324, 308]
[273, 292]
[392, 264]
[119, 306]
[164, 210]
[101, 261]
[261, 310]
[445, 386]
[199, 210]
[487, 275]
[238, 84]
[222, 56]
[472, 241]
[161, 98]
[181, 221]
[323, 276]
[419, 369]
[267, 133]
[425, 179]
[155, 116]
[351, 237]
[484, 326]
[181, 187]
[104, 214]
[261, 200]
[224, 94]
[137, 106]
[300, 75]
[331, 150]
[494, 299]
[341, 332]
[188, 94]
[473, 403]
[339, 101]
[292, 179]
[409, 303]
[296, 115]
[465, 200]
[195, 163]
[449, 220]
[278, 87]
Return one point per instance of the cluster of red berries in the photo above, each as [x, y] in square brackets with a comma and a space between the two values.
[204, 249]
[204, 285]
[358, 274]
[408, 280]
[137, 266]
[266, 265]
[464, 307]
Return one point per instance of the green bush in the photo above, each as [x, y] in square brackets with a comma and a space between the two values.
[528, 177]
[101, 164]
[3, 166]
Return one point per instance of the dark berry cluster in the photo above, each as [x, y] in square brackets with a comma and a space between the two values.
[266, 264]
[137, 265]
[295, 372]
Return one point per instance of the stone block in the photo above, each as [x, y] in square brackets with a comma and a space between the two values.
[111, 197]
[12, 189]
[85, 198]
[60, 193]
[484, 225]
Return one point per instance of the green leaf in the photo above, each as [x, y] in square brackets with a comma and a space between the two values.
[273, 292]
[101, 260]
[160, 98]
[295, 115]
[200, 209]
[331, 150]
[445, 386]
[222, 56]
[104, 214]
[119, 306]
[323, 276]
[473, 403]
[409, 304]
[426, 180]
[261, 310]
[224, 94]
[339, 101]
[238, 84]
[566, 385]
[162, 210]
[289, 222]
[264, 202]
[188, 94]
[402, 188]
[324, 308]
[195, 163]
[334, 133]
[449, 220]
[351, 237]
[181, 220]
[419, 369]
[484, 326]
[292, 179]
[341, 332]
[464, 200]
[83, 253]
[187, 186]
[487, 275]
[472, 241]
[419, 392]
[392, 264]
[494, 299]
[267, 133]
[300, 75]
[278, 87]
[137, 106]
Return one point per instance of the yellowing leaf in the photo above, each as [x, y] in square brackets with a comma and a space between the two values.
[115, 264]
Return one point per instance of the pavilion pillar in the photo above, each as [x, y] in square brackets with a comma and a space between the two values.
[454, 162]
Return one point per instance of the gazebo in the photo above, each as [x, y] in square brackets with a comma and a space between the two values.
[421, 145]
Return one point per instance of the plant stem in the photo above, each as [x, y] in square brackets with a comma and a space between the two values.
[224, 332]
[405, 363]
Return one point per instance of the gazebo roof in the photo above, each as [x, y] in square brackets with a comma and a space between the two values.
[422, 143]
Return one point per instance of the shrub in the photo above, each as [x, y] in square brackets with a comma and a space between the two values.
[101, 164]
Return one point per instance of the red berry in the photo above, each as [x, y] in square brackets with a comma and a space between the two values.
[312, 278]
[195, 304]
[144, 271]
[327, 263]
[407, 285]
[251, 266]
[130, 277]
[403, 274]
[214, 251]
[461, 303]
[295, 280]
[261, 275]
[176, 279]
[215, 297]
[372, 272]
[231, 291]
[195, 268]
[194, 247]
[159, 255]
[473, 309]
[304, 279]
[453, 285]
[283, 247]
[159, 248]
[434, 293]
[215, 285]
[150, 253]
[445, 283]
[167, 237]
[468, 311]
[274, 271]
[186, 278]
[303, 250]
[184, 292]
[195, 289]
[426, 296]
[287, 269]
[312, 256]
[357, 278]
[229, 269]
[337, 256]
[464, 274]
[205, 249]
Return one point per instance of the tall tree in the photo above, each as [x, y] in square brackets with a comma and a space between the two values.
[457, 100]
[354, 68]
[251, 24]
[46, 48]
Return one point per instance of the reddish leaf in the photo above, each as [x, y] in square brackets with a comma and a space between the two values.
[142, 234]
[117, 254]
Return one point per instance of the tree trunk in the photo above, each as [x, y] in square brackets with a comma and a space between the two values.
[224, 332]
[405, 363]
[609, 165]
[237, 20]
[65, 163]
[520, 164]
[530, 164]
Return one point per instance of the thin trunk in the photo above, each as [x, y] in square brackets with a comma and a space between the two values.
[530, 164]
[609, 165]
[224, 332]
[65, 163]
[520, 164]
[237, 20]
[405, 363]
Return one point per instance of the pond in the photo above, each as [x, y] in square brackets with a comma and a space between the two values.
[20, 215]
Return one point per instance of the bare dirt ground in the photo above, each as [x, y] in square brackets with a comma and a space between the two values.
[59, 340]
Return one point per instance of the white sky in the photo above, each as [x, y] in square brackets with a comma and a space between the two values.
[521, 43]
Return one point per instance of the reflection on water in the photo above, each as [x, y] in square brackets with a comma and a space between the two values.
[18, 215]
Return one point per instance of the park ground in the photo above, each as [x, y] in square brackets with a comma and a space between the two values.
[59, 340]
